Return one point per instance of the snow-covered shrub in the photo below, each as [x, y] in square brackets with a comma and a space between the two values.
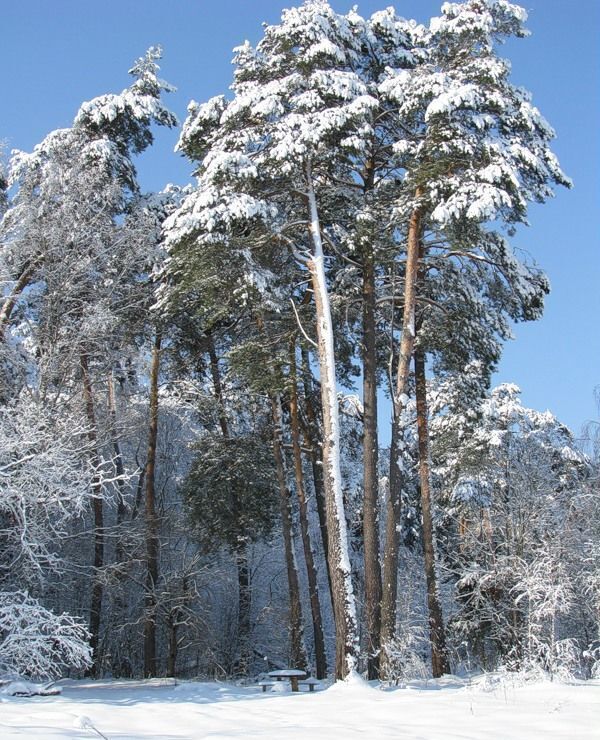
[591, 659]
[545, 587]
[513, 486]
[407, 655]
[37, 643]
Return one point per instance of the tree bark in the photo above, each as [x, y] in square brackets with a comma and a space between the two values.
[244, 608]
[312, 436]
[120, 567]
[392, 540]
[98, 511]
[370, 473]
[172, 629]
[313, 588]
[339, 561]
[297, 652]
[390, 555]
[151, 519]
[119, 469]
[439, 658]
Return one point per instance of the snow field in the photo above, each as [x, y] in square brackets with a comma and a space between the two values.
[446, 709]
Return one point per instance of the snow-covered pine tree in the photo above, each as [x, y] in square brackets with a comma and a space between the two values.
[270, 157]
[476, 152]
[363, 233]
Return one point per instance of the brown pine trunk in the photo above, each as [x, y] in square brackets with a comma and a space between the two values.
[390, 561]
[439, 658]
[297, 653]
[151, 520]
[313, 588]
[98, 510]
[370, 473]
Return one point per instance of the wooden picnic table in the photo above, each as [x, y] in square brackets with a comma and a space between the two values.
[292, 674]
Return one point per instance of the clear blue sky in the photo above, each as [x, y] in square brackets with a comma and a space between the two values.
[58, 53]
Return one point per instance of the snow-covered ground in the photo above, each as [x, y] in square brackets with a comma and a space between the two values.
[449, 709]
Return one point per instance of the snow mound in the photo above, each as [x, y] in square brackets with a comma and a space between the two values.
[353, 682]
[21, 687]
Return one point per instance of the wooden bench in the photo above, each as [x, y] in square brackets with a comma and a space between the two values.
[266, 684]
[311, 682]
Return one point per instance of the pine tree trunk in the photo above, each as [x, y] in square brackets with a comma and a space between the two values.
[98, 510]
[120, 568]
[151, 520]
[390, 554]
[390, 560]
[370, 472]
[311, 434]
[119, 469]
[439, 659]
[297, 652]
[313, 588]
[339, 560]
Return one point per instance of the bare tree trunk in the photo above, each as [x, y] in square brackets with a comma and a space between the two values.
[139, 490]
[119, 468]
[344, 607]
[172, 629]
[439, 658]
[151, 519]
[390, 554]
[297, 652]
[120, 567]
[98, 510]
[390, 561]
[173, 624]
[370, 473]
[244, 608]
[313, 588]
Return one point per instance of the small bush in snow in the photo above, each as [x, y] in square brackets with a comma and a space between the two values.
[37, 643]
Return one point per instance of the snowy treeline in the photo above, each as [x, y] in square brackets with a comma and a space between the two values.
[194, 474]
